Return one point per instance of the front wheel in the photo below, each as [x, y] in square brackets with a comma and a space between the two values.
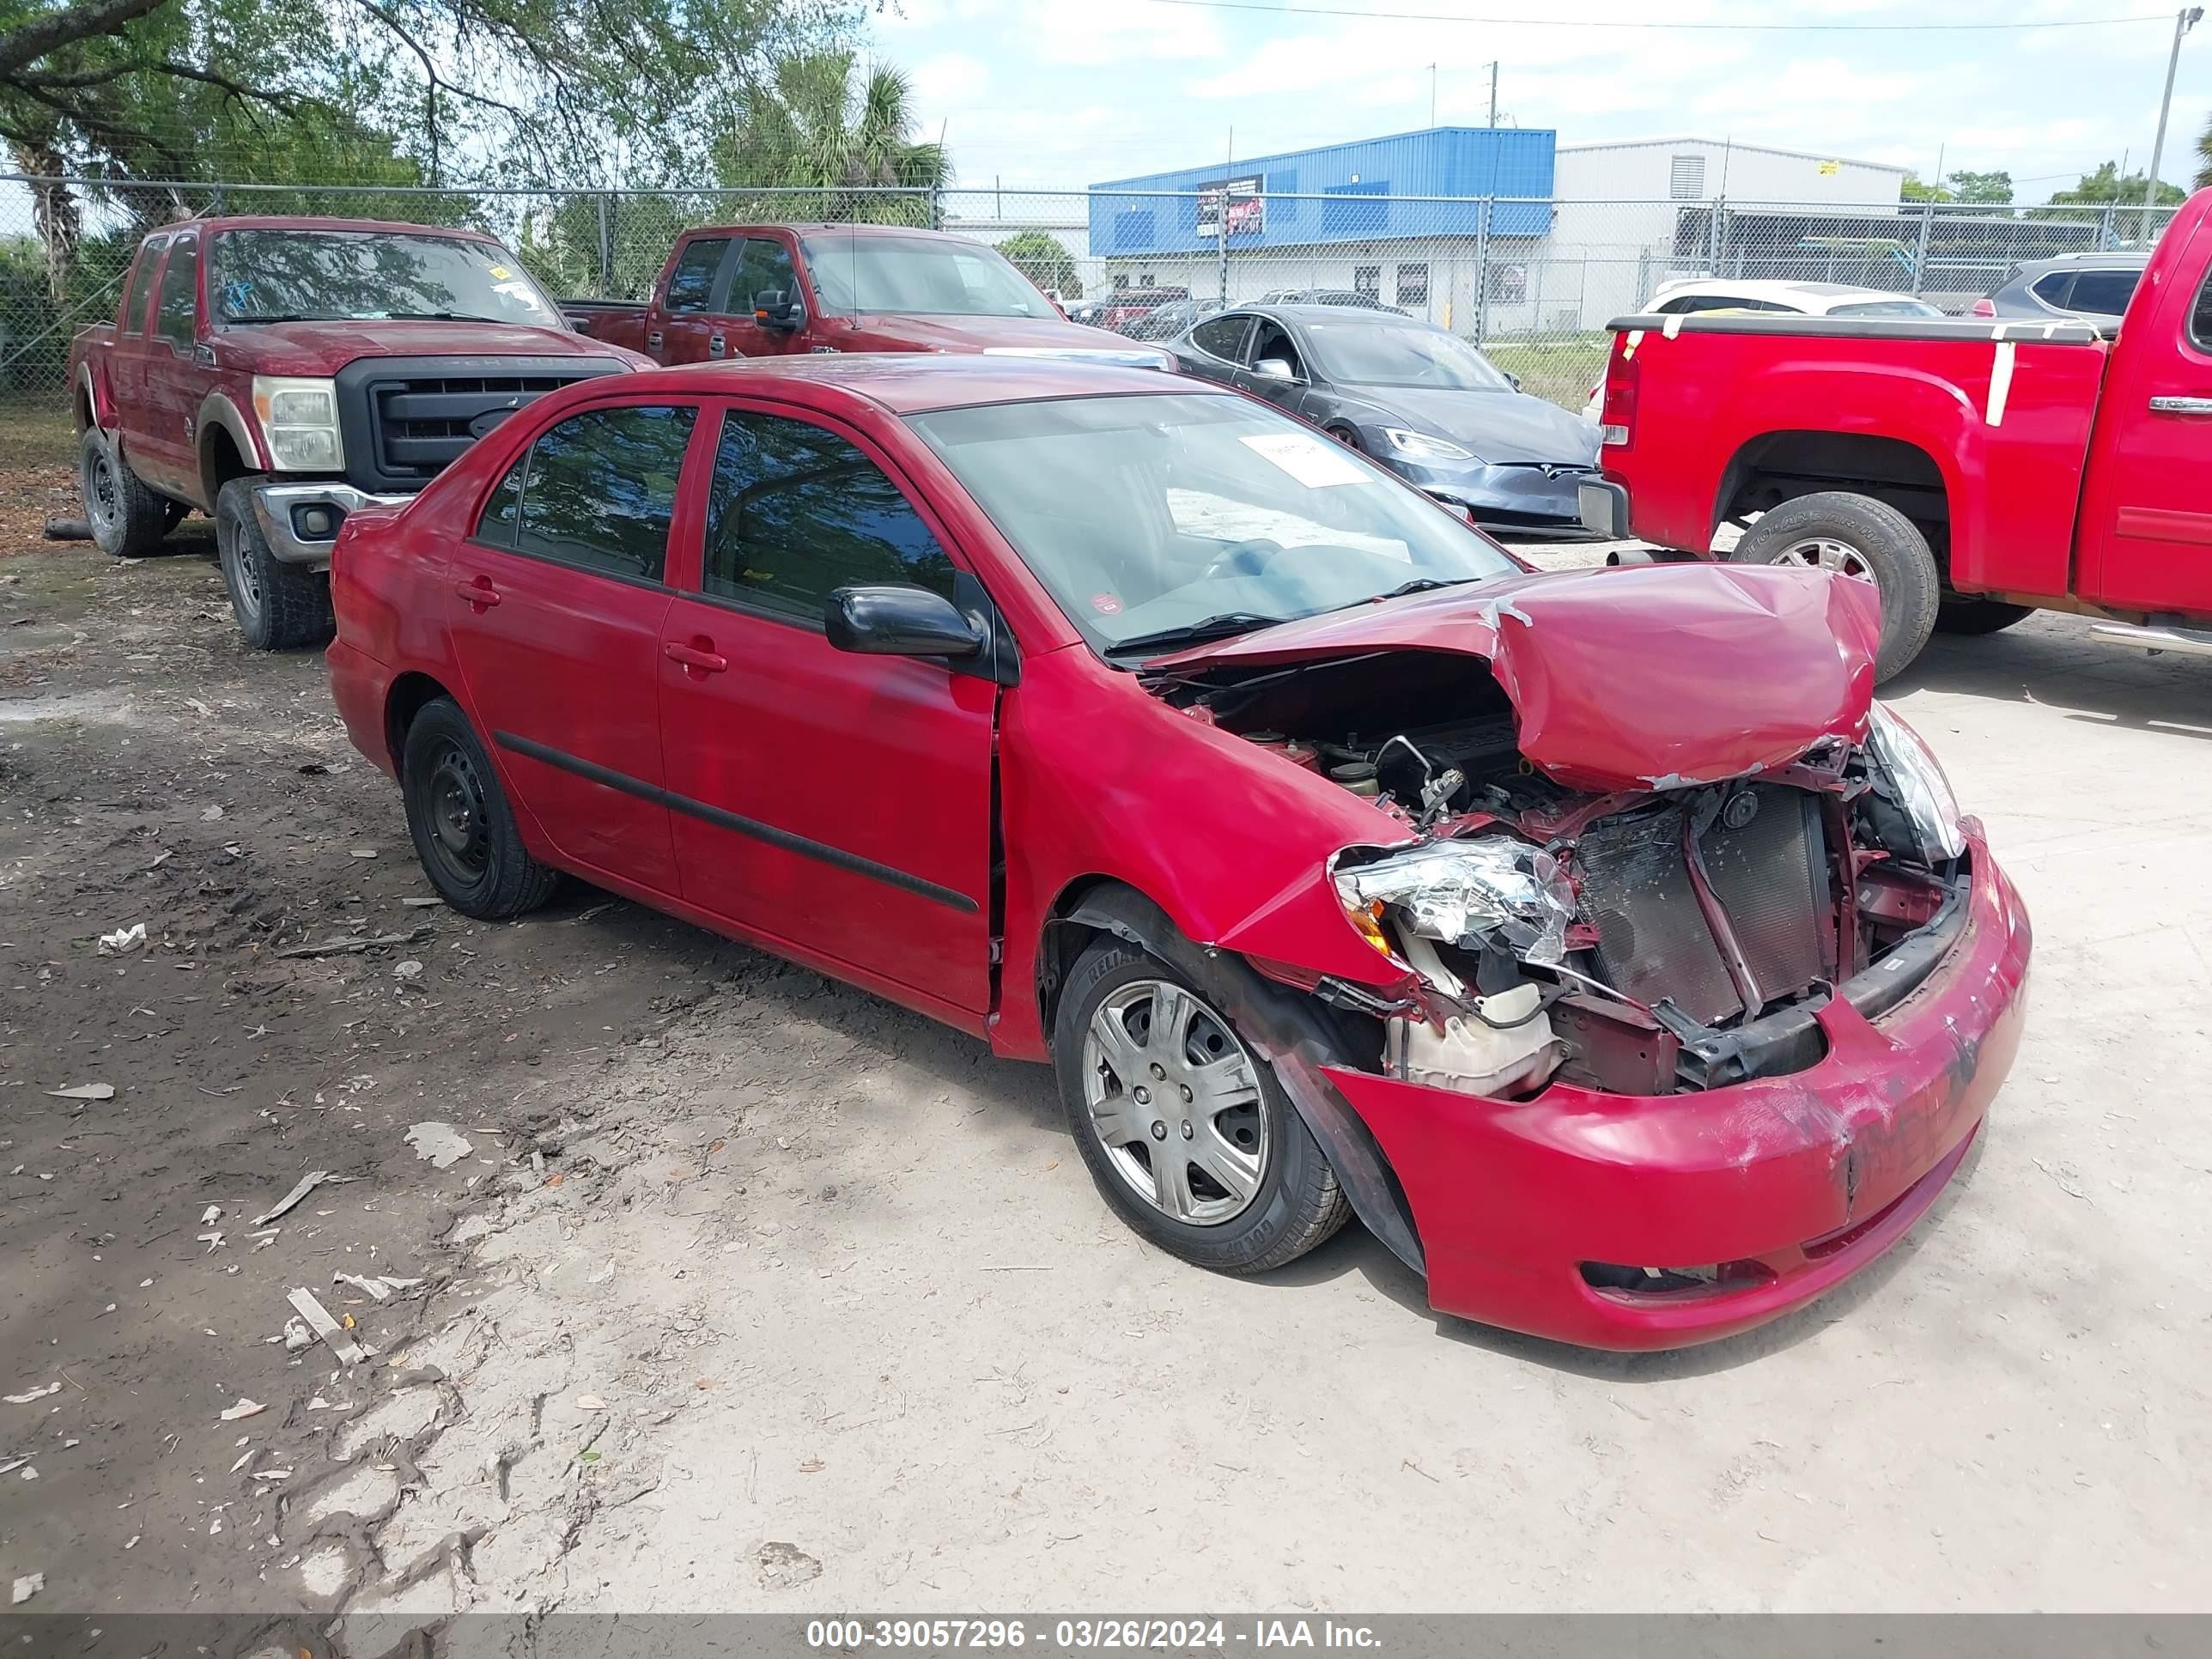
[1856, 536]
[1187, 1134]
[279, 606]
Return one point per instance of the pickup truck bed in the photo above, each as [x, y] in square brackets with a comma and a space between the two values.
[1974, 470]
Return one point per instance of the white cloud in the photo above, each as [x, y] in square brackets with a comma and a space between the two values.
[949, 80]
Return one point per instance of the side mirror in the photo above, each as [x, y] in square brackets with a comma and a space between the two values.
[1273, 368]
[778, 308]
[896, 619]
[1512, 380]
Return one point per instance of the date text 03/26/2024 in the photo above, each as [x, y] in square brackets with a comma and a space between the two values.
[1152, 1635]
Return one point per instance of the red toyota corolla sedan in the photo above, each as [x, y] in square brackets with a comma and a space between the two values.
[1593, 937]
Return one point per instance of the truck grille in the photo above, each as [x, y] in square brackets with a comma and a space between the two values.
[1769, 874]
[420, 427]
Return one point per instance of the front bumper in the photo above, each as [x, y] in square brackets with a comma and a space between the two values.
[1509, 496]
[1795, 1183]
[285, 511]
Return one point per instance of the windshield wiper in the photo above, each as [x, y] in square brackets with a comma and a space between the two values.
[439, 317]
[281, 317]
[1419, 585]
[1227, 623]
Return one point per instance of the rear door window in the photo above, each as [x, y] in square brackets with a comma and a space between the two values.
[691, 284]
[2106, 293]
[799, 511]
[2052, 289]
[131, 314]
[599, 490]
[179, 292]
[1223, 338]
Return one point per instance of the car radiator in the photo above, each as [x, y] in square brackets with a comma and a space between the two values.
[1764, 865]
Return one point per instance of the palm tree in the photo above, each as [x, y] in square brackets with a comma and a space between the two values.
[2204, 156]
[820, 125]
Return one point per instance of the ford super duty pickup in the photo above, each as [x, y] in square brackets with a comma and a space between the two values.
[278, 374]
[1974, 470]
[780, 290]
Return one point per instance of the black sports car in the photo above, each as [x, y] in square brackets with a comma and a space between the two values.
[1421, 401]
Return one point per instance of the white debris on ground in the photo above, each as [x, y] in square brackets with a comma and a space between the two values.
[441, 1143]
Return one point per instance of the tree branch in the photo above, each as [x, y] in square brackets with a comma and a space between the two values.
[77, 80]
[23, 46]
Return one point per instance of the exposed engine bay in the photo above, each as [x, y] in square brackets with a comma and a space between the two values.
[1641, 942]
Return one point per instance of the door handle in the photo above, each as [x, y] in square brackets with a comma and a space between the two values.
[716, 345]
[2181, 405]
[694, 659]
[653, 339]
[480, 592]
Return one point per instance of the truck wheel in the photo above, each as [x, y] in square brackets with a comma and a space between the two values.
[1186, 1133]
[128, 519]
[1968, 616]
[1859, 536]
[279, 606]
[463, 829]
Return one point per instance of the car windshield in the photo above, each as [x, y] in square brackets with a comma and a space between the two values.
[1144, 515]
[270, 276]
[1377, 354]
[1886, 308]
[919, 276]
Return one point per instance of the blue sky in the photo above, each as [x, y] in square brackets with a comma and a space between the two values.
[1046, 92]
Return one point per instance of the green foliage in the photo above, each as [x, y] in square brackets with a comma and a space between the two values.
[818, 125]
[1989, 188]
[2106, 185]
[2203, 179]
[1045, 260]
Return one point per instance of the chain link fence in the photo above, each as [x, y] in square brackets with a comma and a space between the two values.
[1534, 282]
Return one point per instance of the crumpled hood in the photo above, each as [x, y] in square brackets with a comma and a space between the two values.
[1046, 336]
[308, 347]
[1654, 676]
[1502, 428]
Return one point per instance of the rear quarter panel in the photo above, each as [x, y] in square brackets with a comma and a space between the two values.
[2011, 463]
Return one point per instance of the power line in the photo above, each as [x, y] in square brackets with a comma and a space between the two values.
[1604, 23]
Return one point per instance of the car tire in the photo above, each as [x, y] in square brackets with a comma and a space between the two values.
[1858, 535]
[279, 606]
[465, 833]
[128, 518]
[1276, 1197]
[1969, 616]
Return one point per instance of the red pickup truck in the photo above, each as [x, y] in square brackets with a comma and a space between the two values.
[1974, 471]
[780, 290]
[278, 374]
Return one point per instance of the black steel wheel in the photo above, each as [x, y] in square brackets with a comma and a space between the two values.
[464, 831]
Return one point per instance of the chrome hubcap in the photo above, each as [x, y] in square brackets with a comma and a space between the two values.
[1174, 1100]
[1825, 553]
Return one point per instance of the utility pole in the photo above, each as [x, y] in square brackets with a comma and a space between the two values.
[1432, 94]
[1493, 92]
[2184, 21]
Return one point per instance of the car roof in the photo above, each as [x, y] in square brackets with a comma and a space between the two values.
[1767, 288]
[1335, 315]
[918, 382]
[2112, 259]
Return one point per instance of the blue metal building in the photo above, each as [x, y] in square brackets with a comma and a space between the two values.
[1352, 192]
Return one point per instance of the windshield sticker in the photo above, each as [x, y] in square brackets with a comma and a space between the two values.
[501, 272]
[1106, 605]
[1315, 462]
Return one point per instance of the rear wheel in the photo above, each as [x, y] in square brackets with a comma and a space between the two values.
[458, 815]
[1960, 615]
[1186, 1131]
[128, 518]
[279, 606]
[1856, 536]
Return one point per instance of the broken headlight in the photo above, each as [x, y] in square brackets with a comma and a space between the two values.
[1910, 776]
[1493, 889]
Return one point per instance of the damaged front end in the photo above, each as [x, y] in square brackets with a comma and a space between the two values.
[1646, 940]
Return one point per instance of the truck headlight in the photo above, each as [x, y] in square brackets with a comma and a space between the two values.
[1461, 892]
[300, 420]
[1917, 780]
[1420, 447]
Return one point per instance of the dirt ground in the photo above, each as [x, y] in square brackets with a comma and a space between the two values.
[749, 1291]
